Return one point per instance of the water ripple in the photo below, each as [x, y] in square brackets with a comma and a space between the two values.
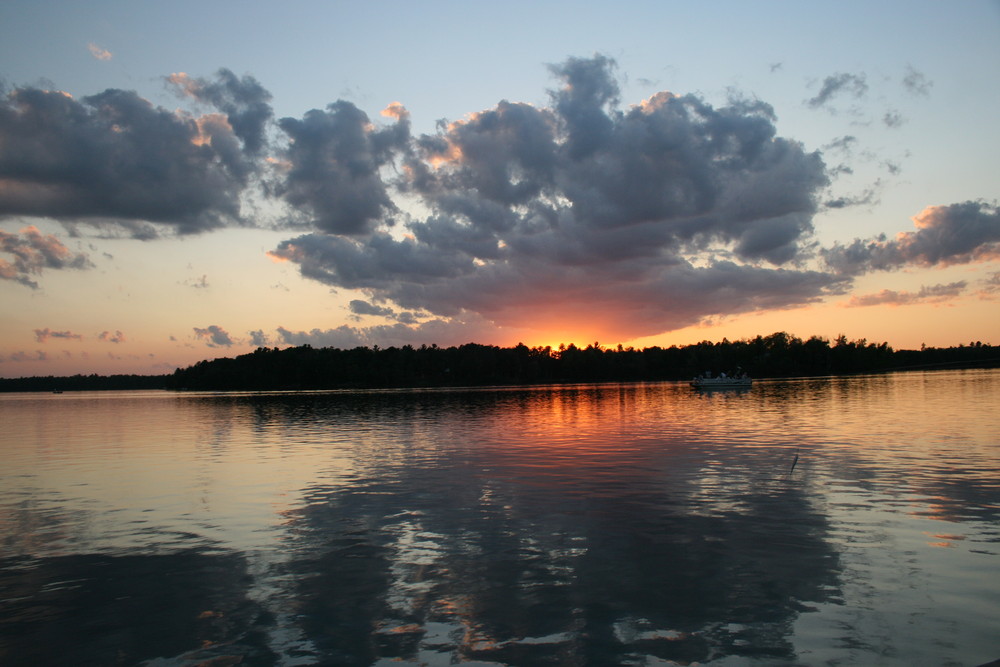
[832, 520]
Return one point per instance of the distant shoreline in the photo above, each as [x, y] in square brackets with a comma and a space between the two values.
[305, 368]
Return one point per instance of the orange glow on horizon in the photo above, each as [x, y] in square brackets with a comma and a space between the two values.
[562, 331]
[555, 337]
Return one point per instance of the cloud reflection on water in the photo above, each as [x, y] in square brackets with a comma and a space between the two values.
[512, 552]
[600, 524]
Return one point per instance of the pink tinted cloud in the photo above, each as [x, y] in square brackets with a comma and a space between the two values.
[959, 233]
[21, 355]
[98, 52]
[33, 252]
[927, 294]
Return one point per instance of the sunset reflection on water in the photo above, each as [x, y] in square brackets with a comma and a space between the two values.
[833, 519]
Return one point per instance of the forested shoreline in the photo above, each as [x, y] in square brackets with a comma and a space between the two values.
[92, 382]
[305, 367]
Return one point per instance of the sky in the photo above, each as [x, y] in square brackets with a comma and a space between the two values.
[187, 180]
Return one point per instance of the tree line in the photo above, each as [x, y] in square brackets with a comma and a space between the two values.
[306, 367]
[92, 382]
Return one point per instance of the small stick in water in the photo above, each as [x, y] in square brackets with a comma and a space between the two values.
[794, 461]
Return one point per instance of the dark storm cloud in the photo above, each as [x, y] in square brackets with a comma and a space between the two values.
[115, 157]
[334, 158]
[562, 211]
[953, 234]
[836, 85]
[34, 252]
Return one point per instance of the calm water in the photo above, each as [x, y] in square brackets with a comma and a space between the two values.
[811, 522]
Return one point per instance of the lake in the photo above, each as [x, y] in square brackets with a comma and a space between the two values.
[831, 521]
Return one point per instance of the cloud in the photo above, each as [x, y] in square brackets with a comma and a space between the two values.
[445, 332]
[244, 101]
[946, 235]
[334, 160]
[844, 144]
[836, 85]
[43, 335]
[932, 294]
[359, 307]
[656, 216]
[114, 158]
[197, 283]
[584, 101]
[99, 53]
[893, 119]
[259, 338]
[990, 287]
[21, 355]
[108, 337]
[867, 197]
[660, 214]
[214, 336]
[954, 234]
[916, 82]
[343, 337]
[34, 252]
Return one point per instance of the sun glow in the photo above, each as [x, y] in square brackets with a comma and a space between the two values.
[557, 338]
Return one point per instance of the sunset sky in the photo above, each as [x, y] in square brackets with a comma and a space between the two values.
[188, 180]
